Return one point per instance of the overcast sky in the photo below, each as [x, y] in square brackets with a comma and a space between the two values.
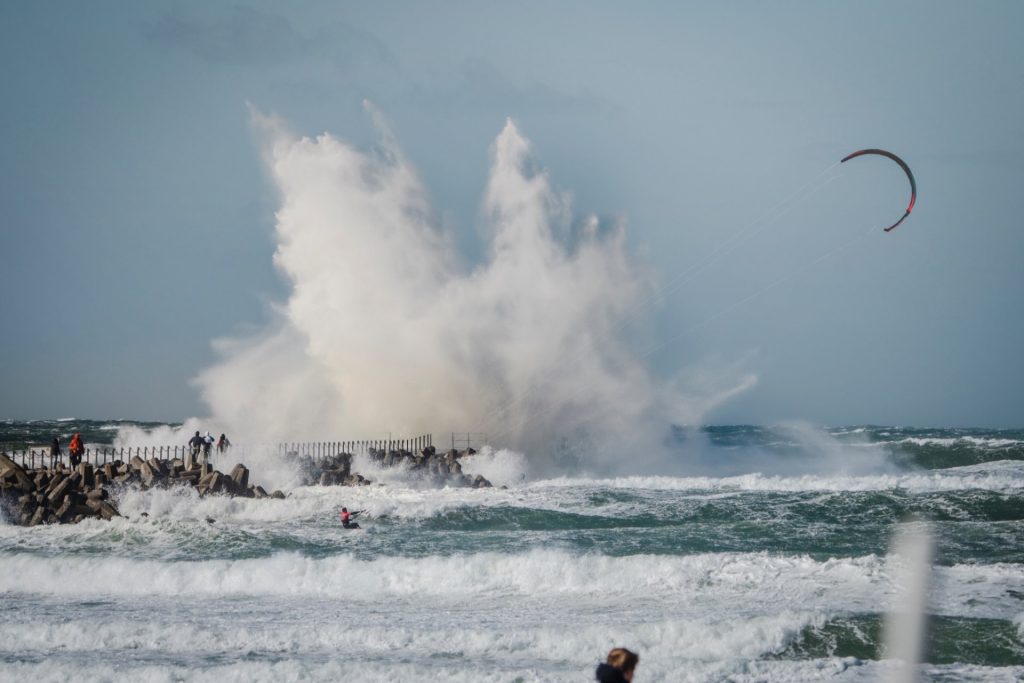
[136, 217]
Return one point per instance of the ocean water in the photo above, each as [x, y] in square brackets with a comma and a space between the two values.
[765, 557]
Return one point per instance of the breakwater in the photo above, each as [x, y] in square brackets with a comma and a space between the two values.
[441, 469]
[55, 493]
[63, 495]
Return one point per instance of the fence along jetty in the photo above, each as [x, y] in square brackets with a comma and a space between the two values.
[36, 488]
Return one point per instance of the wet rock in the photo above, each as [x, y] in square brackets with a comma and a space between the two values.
[240, 475]
[59, 490]
[64, 512]
[56, 480]
[147, 474]
[85, 471]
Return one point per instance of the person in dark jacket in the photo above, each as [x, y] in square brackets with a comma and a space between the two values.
[54, 452]
[618, 668]
[195, 444]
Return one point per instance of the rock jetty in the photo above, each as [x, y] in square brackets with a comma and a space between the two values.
[66, 496]
[444, 469]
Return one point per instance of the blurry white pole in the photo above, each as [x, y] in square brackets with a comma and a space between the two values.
[905, 627]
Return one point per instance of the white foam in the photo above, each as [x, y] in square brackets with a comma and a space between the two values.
[998, 476]
[727, 581]
[980, 442]
[538, 654]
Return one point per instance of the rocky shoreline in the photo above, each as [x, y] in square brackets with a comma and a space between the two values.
[64, 495]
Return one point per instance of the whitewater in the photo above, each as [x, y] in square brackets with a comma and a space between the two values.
[753, 577]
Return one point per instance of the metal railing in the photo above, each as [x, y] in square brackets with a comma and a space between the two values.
[32, 458]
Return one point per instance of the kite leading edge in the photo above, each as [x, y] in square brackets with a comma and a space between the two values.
[906, 169]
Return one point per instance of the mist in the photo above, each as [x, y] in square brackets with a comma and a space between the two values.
[386, 331]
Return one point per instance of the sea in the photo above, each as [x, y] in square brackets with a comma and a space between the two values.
[765, 556]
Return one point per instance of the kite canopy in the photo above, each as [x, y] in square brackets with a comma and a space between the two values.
[906, 169]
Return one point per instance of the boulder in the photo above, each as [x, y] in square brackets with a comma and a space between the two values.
[58, 491]
[55, 481]
[159, 467]
[240, 475]
[85, 471]
[64, 512]
[38, 517]
[108, 511]
[277, 494]
[147, 474]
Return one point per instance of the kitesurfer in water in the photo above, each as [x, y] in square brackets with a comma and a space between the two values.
[618, 668]
[346, 518]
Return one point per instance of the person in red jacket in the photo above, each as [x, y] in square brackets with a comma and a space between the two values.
[76, 450]
[346, 518]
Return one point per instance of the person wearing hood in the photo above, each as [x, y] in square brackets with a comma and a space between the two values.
[207, 445]
[618, 668]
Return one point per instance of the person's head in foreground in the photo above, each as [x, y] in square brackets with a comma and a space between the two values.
[619, 666]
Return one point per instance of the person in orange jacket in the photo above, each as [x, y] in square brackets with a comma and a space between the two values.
[76, 450]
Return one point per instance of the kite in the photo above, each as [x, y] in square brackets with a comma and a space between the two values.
[906, 169]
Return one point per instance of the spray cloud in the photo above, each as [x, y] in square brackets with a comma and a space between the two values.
[385, 331]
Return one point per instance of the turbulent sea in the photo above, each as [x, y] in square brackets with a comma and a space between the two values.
[764, 557]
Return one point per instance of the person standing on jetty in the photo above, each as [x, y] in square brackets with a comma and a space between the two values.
[222, 443]
[619, 667]
[195, 444]
[207, 446]
[54, 452]
[76, 450]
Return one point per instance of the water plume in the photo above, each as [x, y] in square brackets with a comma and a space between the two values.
[385, 331]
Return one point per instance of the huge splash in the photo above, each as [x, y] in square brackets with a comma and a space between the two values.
[386, 331]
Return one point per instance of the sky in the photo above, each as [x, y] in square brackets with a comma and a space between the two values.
[140, 211]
